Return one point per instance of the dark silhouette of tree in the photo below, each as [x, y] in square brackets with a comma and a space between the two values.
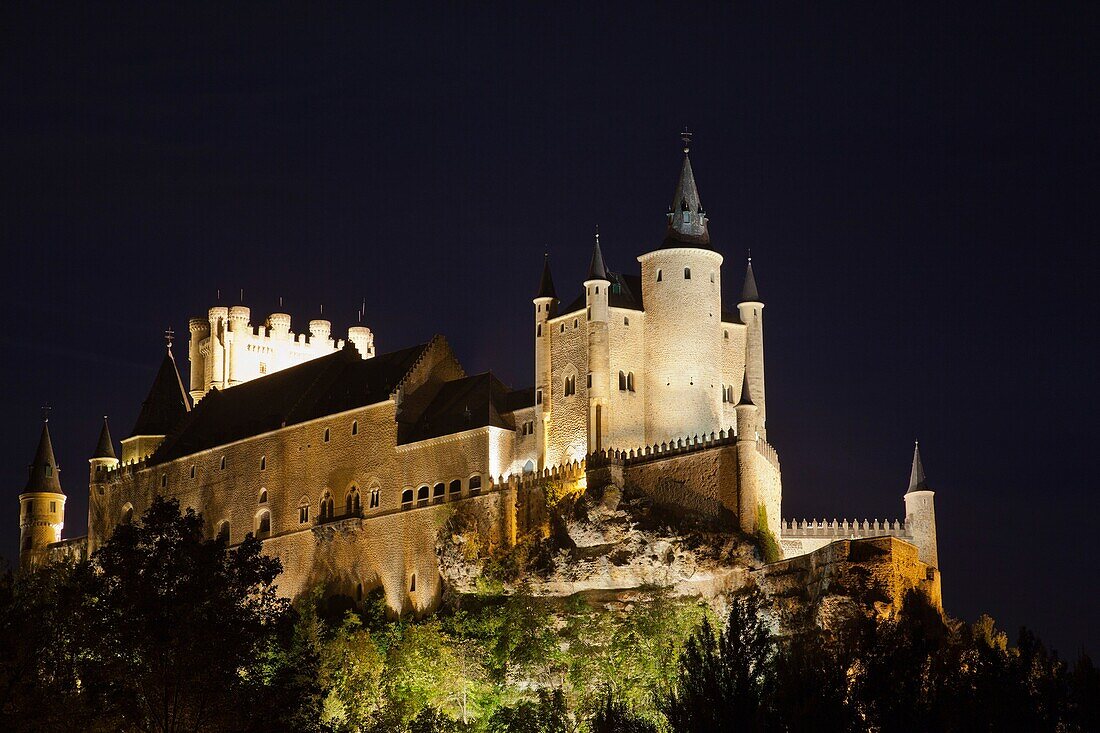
[616, 717]
[545, 714]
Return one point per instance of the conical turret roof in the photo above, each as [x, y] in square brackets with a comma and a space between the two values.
[546, 285]
[166, 404]
[596, 268]
[44, 475]
[687, 222]
[746, 397]
[749, 293]
[917, 481]
[105, 448]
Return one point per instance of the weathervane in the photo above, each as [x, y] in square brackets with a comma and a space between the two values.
[686, 137]
[597, 234]
[46, 412]
[169, 334]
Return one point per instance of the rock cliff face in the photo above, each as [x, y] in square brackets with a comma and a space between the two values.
[610, 543]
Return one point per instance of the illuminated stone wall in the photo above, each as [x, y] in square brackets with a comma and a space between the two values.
[626, 420]
[567, 438]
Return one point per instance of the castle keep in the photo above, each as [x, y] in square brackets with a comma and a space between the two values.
[348, 462]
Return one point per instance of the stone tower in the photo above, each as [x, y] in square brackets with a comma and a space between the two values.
[747, 480]
[682, 292]
[751, 310]
[545, 304]
[920, 512]
[596, 290]
[41, 505]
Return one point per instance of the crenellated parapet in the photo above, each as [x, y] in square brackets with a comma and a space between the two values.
[844, 528]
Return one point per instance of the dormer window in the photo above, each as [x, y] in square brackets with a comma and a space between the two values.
[687, 217]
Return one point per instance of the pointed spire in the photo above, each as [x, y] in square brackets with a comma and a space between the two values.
[546, 285]
[43, 472]
[749, 293]
[596, 268]
[746, 397]
[105, 448]
[917, 481]
[166, 403]
[687, 221]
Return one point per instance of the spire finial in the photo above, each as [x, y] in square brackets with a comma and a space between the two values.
[169, 334]
[685, 136]
[597, 234]
[46, 412]
[280, 301]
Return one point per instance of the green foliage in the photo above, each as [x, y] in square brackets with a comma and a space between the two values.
[547, 713]
[765, 540]
[616, 717]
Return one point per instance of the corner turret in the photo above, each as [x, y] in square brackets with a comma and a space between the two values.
[596, 289]
[41, 504]
[747, 480]
[545, 302]
[104, 458]
[920, 512]
[751, 310]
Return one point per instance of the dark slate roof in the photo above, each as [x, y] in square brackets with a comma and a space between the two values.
[519, 399]
[323, 386]
[917, 482]
[105, 448]
[746, 394]
[43, 473]
[749, 293]
[167, 402]
[731, 316]
[546, 285]
[596, 268]
[463, 404]
[694, 232]
[625, 292]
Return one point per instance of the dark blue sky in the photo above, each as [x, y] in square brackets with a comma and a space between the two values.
[917, 182]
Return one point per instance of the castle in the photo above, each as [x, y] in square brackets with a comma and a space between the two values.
[347, 463]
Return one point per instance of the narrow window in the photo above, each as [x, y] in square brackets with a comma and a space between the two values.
[630, 381]
[562, 328]
[303, 514]
[538, 397]
[406, 498]
[412, 584]
[712, 277]
[687, 273]
[622, 382]
[223, 463]
[726, 335]
[597, 290]
[538, 330]
[438, 492]
[127, 514]
[53, 507]
[223, 532]
[326, 435]
[264, 528]
[263, 496]
[588, 381]
[475, 484]
[658, 276]
[456, 487]
[263, 463]
[576, 322]
[351, 502]
[330, 507]
[163, 480]
[354, 427]
[626, 320]
[422, 495]
[192, 472]
[374, 498]
[358, 591]
[587, 313]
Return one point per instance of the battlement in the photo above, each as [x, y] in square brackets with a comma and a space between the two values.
[680, 446]
[843, 528]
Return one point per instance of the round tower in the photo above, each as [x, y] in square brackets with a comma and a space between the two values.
[215, 363]
[920, 512]
[748, 493]
[682, 292]
[751, 310]
[596, 288]
[279, 325]
[41, 505]
[319, 331]
[363, 339]
[545, 304]
[200, 330]
[237, 343]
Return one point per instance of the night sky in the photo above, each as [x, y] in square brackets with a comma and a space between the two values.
[917, 183]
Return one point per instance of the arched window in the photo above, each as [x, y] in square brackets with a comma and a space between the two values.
[355, 431]
[630, 381]
[351, 501]
[263, 496]
[263, 524]
[223, 531]
[456, 487]
[303, 510]
[438, 493]
[562, 328]
[570, 388]
[127, 513]
[475, 484]
[263, 463]
[626, 320]
[328, 506]
[163, 480]
[576, 322]
[687, 273]
[412, 584]
[622, 381]
[658, 276]
[223, 463]
[375, 497]
[422, 495]
[406, 498]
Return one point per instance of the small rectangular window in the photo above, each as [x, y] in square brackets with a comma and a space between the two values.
[588, 382]
[538, 397]
[53, 506]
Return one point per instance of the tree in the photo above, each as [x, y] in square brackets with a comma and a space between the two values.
[615, 716]
[547, 713]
